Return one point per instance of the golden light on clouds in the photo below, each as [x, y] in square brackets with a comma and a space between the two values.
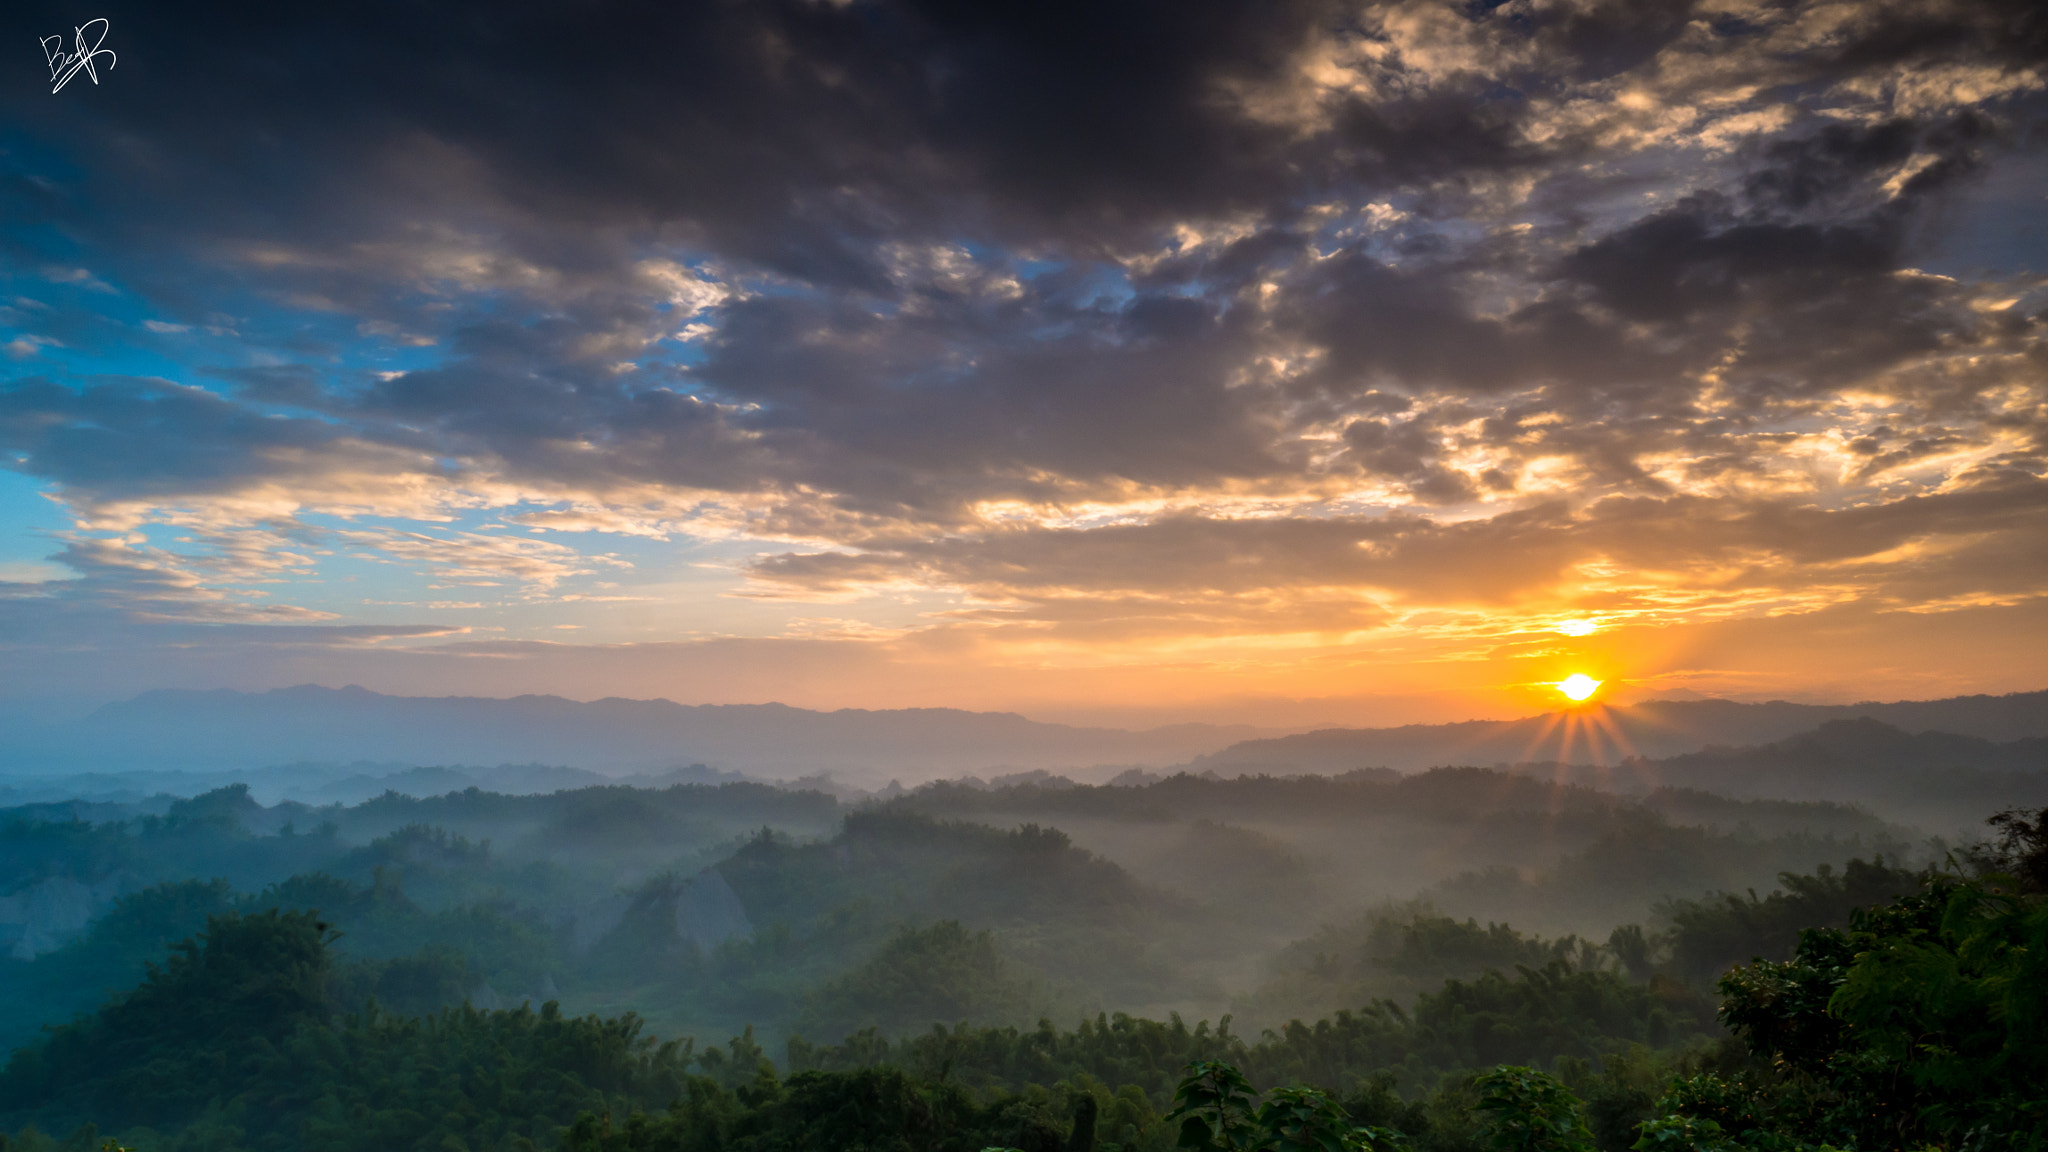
[1644, 376]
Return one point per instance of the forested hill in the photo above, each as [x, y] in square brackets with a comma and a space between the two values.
[1611, 735]
[352, 977]
[1908, 1014]
[1933, 780]
[707, 908]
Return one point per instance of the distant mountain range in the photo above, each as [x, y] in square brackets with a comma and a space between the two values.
[1935, 781]
[94, 796]
[1611, 736]
[223, 731]
[215, 731]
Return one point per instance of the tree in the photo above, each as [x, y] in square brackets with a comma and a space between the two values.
[1530, 1111]
[1924, 1023]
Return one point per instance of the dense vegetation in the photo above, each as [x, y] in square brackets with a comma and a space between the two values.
[709, 908]
[244, 1038]
[482, 971]
[1922, 1024]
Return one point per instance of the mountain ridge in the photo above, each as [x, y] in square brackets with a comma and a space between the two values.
[229, 730]
[226, 729]
[1615, 734]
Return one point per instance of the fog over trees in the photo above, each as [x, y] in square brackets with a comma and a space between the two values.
[691, 959]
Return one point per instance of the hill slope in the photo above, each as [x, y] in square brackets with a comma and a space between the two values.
[1613, 735]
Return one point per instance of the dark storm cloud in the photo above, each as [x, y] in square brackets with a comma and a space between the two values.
[1603, 39]
[1415, 327]
[1710, 253]
[902, 412]
[1698, 258]
[138, 437]
[2006, 32]
[791, 134]
[794, 134]
[1814, 169]
[1139, 392]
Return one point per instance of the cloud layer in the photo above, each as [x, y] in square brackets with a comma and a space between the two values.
[1070, 331]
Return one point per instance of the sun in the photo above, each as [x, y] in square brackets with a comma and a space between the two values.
[1578, 686]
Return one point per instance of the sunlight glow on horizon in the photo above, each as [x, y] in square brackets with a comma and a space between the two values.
[1578, 686]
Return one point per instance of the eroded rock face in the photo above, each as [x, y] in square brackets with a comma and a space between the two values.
[44, 914]
[709, 912]
[595, 920]
[667, 915]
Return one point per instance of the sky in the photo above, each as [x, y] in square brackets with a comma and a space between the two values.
[1275, 361]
